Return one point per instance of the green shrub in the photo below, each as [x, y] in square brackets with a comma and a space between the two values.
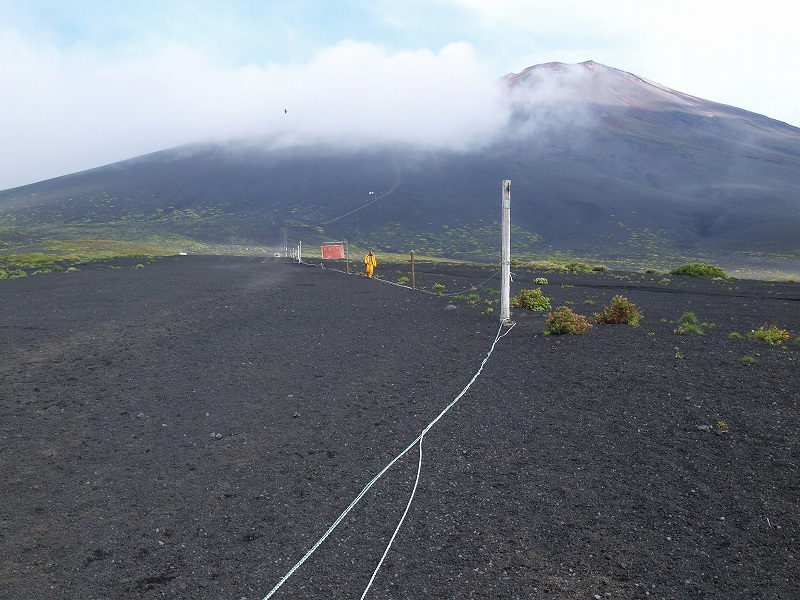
[12, 273]
[402, 280]
[621, 312]
[689, 328]
[748, 359]
[699, 270]
[438, 288]
[564, 321]
[735, 335]
[576, 267]
[472, 299]
[772, 334]
[531, 300]
[689, 318]
[540, 281]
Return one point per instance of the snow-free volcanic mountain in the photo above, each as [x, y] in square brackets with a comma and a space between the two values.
[604, 165]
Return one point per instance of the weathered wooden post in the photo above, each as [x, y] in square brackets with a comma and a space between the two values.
[413, 282]
[505, 260]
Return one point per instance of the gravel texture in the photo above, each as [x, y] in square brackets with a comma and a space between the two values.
[190, 427]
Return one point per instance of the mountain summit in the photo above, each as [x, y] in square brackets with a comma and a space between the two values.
[604, 165]
[598, 84]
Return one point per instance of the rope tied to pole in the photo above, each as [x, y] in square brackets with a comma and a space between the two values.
[389, 465]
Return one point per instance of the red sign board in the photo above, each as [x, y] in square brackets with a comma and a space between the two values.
[333, 251]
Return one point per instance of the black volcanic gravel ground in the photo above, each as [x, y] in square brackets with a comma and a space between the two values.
[189, 429]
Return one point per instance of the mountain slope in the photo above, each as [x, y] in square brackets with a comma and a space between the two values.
[603, 164]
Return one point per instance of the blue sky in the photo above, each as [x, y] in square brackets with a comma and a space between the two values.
[87, 82]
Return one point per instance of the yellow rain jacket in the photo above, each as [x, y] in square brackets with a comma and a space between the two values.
[370, 262]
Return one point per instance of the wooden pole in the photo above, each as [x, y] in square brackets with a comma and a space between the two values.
[413, 282]
[505, 262]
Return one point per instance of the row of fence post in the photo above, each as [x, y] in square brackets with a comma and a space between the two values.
[295, 253]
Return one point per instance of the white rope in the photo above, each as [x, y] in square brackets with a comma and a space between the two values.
[399, 525]
[390, 464]
[408, 287]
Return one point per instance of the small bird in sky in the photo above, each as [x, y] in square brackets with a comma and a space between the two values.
[285, 111]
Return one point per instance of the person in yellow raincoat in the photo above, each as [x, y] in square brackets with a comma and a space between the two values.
[370, 262]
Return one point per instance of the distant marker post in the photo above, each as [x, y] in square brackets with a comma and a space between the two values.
[505, 261]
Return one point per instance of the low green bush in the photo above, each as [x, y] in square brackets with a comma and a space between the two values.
[579, 267]
[621, 312]
[685, 328]
[564, 321]
[772, 334]
[688, 324]
[12, 273]
[699, 270]
[531, 300]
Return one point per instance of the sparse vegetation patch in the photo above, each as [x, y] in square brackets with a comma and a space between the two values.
[772, 335]
[688, 324]
[699, 270]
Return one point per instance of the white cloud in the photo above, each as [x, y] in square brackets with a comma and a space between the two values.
[73, 109]
[82, 87]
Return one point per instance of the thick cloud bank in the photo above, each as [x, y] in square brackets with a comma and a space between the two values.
[74, 109]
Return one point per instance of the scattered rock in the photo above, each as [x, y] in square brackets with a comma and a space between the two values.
[450, 307]
[216, 436]
[705, 427]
